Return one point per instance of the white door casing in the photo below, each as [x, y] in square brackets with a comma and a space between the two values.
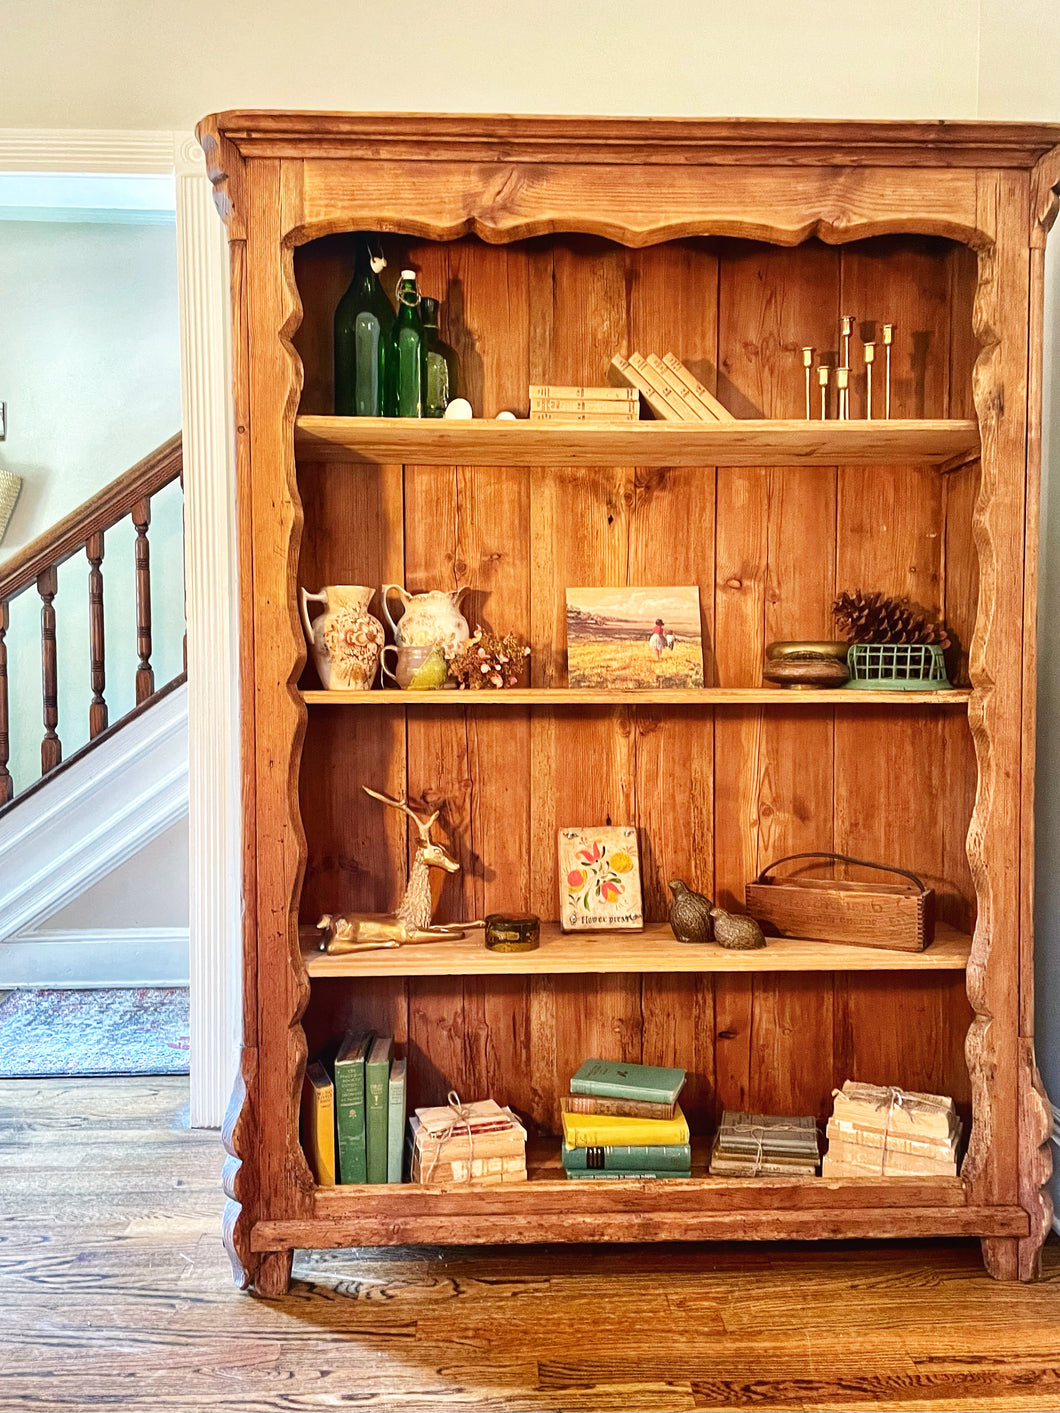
[210, 577]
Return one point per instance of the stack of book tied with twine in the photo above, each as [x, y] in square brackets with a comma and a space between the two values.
[881, 1131]
[479, 1144]
[623, 1121]
[764, 1145]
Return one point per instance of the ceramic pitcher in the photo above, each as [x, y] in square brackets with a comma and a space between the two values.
[433, 617]
[345, 639]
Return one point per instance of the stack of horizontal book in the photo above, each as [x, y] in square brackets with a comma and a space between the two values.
[764, 1145]
[551, 403]
[623, 1121]
[877, 1131]
[671, 391]
[479, 1144]
[353, 1112]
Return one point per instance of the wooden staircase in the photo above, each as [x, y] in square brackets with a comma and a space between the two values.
[85, 529]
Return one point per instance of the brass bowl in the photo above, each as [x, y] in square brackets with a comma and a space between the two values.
[808, 651]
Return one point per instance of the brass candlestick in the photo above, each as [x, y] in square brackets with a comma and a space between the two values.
[846, 332]
[823, 374]
[870, 359]
[842, 382]
[807, 363]
[888, 340]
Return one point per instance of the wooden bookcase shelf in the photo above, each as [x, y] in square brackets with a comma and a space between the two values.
[553, 244]
[481, 442]
[559, 697]
[619, 953]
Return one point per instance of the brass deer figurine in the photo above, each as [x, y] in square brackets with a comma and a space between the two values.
[412, 920]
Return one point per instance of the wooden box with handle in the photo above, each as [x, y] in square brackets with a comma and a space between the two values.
[899, 916]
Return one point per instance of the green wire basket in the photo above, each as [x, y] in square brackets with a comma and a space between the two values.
[896, 667]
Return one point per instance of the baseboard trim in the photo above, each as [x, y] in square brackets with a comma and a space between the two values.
[91, 958]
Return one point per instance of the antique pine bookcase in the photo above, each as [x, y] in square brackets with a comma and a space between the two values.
[554, 243]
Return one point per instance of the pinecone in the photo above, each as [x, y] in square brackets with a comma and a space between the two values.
[875, 618]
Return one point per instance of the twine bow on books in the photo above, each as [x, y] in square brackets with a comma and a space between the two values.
[758, 1133]
[461, 1120]
[892, 1099]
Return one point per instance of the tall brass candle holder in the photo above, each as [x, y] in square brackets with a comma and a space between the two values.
[888, 340]
[842, 382]
[823, 374]
[807, 363]
[870, 359]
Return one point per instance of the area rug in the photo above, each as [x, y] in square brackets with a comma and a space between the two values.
[84, 1033]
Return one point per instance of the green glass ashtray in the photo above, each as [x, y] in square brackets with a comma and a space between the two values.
[513, 932]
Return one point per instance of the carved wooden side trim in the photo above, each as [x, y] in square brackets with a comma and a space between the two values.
[505, 201]
[237, 1177]
[1002, 699]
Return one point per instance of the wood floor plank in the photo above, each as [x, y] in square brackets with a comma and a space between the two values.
[115, 1292]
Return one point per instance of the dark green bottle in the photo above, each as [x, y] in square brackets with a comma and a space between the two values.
[441, 363]
[364, 322]
[408, 364]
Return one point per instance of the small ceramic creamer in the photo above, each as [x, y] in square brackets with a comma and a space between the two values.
[345, 639]
[430, 618]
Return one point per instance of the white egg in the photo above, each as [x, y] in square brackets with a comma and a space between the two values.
[459, 409]
[506, 417]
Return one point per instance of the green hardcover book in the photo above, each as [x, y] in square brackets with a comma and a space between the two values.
[614, 1080]
[598, 1174]
[633, 1157]
[377, 1104]
[349, 1106]
[395, 1122]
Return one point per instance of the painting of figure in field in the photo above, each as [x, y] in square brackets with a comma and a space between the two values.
[623, 639]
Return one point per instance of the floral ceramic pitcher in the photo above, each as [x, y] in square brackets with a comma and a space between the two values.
[433, 617]
[345, 639]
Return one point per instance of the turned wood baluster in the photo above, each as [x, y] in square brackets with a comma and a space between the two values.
[51, 748]
[6, 789]
[145, 675]
[97, 711]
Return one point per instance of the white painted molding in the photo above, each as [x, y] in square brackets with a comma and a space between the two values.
[96, 957]
[99, 811]
[213, 671]
[84, 150]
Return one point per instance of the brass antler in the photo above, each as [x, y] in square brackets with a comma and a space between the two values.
[424, 826]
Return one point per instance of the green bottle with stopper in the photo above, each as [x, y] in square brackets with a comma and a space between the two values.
[409, 352]
[364, 322]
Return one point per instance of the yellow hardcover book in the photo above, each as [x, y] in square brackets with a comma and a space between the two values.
[610, 1131]
[318, 1123]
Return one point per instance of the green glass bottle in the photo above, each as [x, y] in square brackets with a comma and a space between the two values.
[408, 364]
[441, 363]
[364, 323]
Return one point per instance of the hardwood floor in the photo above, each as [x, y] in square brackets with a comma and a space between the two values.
[114, 1292]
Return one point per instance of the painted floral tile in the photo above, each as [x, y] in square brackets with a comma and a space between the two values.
[599, 879]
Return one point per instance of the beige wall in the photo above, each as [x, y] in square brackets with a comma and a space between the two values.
[163, 65]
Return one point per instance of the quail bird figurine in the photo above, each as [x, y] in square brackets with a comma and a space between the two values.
[689, 913]
[739, 934]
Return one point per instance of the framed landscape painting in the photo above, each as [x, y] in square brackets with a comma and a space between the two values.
[627, 638]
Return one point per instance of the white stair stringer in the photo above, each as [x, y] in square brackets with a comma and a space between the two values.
[97, 812]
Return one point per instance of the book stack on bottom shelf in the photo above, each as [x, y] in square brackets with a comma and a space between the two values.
[353, 1112]
[479, 1144]
[623, 1121]
[764, 1145]
[880, 1131]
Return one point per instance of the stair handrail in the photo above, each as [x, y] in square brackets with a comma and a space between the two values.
[100, 512]
[38, 563]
